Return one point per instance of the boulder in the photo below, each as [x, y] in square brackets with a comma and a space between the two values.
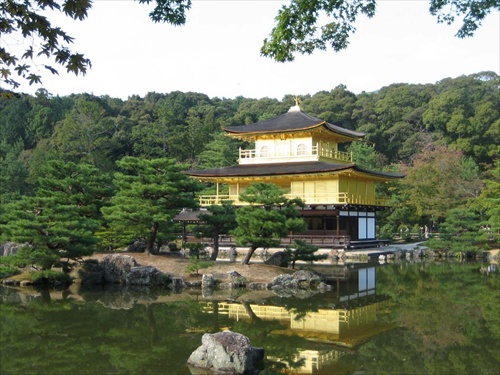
[279, 258]
[91, 273]
[10, 248]
[208, 281]
[226, 353]
[144, 275]
[116, 267]
[284, 281]
[177, 283]
[136, 247]
[236, 280]
[300, 279]
[323, 287]
[307, 278]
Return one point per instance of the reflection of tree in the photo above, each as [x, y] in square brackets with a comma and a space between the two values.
[65, 336]
[448, 324]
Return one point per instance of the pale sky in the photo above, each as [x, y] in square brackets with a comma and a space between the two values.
[217, 52]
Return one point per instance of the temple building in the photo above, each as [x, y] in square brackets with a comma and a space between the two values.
[300, 154]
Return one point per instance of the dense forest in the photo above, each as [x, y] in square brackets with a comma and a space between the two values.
[98, 164]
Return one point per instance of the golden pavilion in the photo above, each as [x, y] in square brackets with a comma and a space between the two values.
[300, 154]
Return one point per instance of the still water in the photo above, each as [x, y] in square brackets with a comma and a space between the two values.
[435, 318]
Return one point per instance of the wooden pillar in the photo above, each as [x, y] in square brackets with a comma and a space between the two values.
[184, 233]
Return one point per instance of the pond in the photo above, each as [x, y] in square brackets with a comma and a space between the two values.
[420, 318]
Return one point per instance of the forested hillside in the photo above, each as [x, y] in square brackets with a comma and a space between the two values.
[444, 136]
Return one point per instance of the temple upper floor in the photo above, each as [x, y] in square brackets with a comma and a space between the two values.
[293, 137]
[292, 150]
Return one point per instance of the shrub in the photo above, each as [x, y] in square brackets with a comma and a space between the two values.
[6, 271]
[50, 277]
[195, 249]
[196, 264]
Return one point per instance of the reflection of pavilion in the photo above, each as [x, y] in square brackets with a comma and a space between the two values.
[348, 319]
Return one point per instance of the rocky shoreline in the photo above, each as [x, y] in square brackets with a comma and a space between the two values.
[124, 270]
[169, 271]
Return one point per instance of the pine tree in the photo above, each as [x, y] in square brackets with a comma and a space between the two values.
[301, 250]
[268, 218]
[150, 193]
[218, 220]
[60, 221]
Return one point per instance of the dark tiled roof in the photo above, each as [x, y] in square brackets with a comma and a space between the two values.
[291, 121]
[277, 169]
[190, 215]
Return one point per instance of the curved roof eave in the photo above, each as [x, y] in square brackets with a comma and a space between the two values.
[296, 168]
[290, 121]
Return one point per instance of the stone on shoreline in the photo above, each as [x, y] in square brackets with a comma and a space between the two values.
[226, 353]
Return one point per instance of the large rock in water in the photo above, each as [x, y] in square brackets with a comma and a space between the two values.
[144, 275]
[116, 267]
[300, 279]
[226, 353]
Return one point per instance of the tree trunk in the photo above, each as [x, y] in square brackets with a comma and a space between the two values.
[152, 238]
[249, 255]
[215, 252]
[248, 309]
[216, 316]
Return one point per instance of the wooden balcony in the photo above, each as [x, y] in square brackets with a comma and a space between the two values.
[312, 154]
[309, 199]
[322, 241]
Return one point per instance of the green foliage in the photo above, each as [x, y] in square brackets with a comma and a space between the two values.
[50, 277]
[464, 112]
[150, 193]
[218, 220]
[365, 156]
[25, 19]
[222, 151]
[6, 271]
[440, 179]
[460, 232]
[13, 172]
[195, 249]
[60, 221]
[86, 134]
[298, 30]
[268, 217]
[35, 257]
[488, 202]
[196, 264]
[301, 250]
[405, 123]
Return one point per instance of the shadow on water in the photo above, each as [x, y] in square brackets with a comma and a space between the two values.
[392, 319]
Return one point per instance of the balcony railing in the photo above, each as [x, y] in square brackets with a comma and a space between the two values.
[312, 154]
[315, 199]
